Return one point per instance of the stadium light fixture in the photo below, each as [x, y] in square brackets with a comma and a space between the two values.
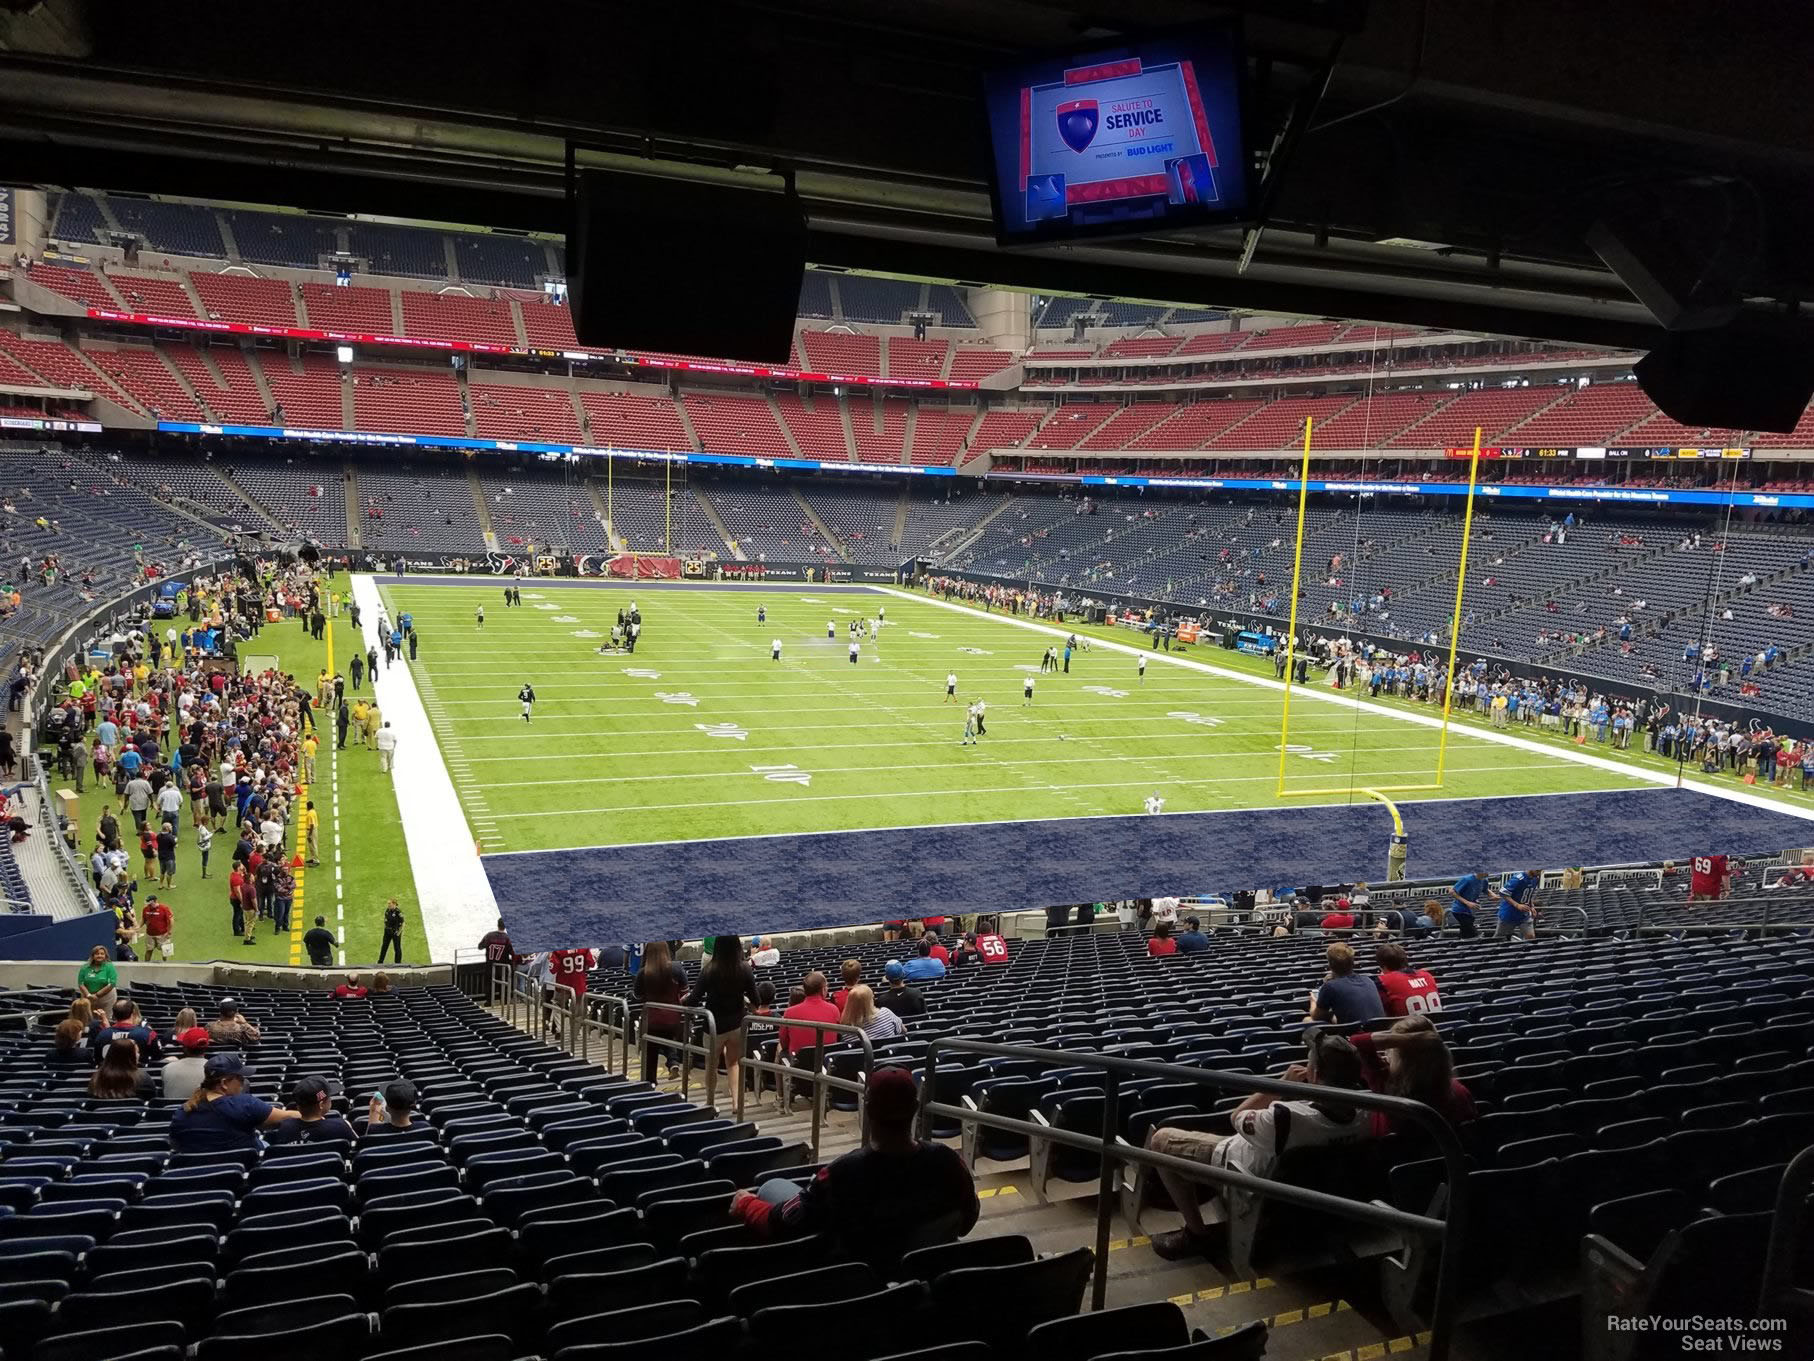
[344, 353]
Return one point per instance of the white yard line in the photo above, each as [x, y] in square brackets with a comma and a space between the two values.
[1321, 696]
[457, 903]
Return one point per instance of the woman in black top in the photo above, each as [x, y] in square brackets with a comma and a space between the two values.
[726, 988]
[660, 979]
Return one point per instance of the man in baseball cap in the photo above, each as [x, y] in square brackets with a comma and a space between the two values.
[183, 1075]
[897, 997]
[876, 1202]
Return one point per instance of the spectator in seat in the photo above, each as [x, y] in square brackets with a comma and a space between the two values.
[878, 1202]
[1191, 940]
[764, 954]
[230, 1029]
[119, 1076]
[69, 1043]
[127, 1022]
[1342, 919]
[814, 1006]
[352, 988]
[726, 988]
[1344, 996]
[1431, 920]
[902, 1000]
[1265, 1127]
[221, 1114]
[1411, 1060]
[97, 980]
[316, 1117]
[1404, 990]
[851, 970]
[923, 966]
[860, 1011]
[1161, 942]
[391, 1111]
[182, 1075]
[937, 948]
[659, 979]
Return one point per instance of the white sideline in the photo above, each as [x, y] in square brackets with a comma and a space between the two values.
[457, 903]
[1323, 696]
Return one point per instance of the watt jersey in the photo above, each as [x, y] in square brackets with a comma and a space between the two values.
[1409, 992]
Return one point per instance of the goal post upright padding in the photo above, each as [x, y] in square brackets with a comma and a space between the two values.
[1448, 695]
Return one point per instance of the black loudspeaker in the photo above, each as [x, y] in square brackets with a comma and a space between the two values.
[1751, 379]
[685, 268]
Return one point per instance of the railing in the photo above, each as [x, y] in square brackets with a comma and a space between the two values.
[1765, 925]
[1111, 1149]
[822, 1081]
[50, 824]
[680, 1044]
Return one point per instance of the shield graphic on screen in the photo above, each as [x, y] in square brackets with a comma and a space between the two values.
[1077, 122]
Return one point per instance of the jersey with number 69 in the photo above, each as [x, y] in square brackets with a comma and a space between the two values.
[1707, 876]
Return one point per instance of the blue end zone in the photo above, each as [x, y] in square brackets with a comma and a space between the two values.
[551, 899]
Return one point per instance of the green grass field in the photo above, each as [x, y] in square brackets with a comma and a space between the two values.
[701, 734]
[367, 833]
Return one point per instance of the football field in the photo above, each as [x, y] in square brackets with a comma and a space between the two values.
[702, 734]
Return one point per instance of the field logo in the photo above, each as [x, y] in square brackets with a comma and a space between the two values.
[1078, 120]
[783, 774]
[1104, 690]
[566, 619]
[641, 673]
[547, 607]
[915, 633]
[1192, 716]
[730, 730]
[976, 651]
[677, 697]
[1308, 753]
[587, 633]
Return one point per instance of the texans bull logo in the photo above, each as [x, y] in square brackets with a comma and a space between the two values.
[1077, 123]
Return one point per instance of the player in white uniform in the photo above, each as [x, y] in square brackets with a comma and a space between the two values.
[1143, 668]
[855, 648]
[481, 623]
[774, 650]
[1155, 804]
[527, 696]
[831, 628]
[982, 709]
[969, 738]
[1026, 692]
[951, 687]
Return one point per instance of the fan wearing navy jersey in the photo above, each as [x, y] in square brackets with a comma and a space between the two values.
[878, 1202]
[1709, 876]
[1517, 909]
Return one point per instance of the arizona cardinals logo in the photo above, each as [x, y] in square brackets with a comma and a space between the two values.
[1077, 123]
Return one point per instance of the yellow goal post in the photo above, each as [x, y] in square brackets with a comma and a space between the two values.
[1291, 638]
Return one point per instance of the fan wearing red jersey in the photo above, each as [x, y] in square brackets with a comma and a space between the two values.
[1404, 990]
[1708, 877]
[569, 969]
[992, 949]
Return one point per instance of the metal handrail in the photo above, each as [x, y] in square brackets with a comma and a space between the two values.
[821, 1080]
[1110, 1148]
[686, 1049]
[1779, 1290]
[50, 825]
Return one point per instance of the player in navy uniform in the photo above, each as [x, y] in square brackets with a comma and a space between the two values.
[762, 614]
[527, 696]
